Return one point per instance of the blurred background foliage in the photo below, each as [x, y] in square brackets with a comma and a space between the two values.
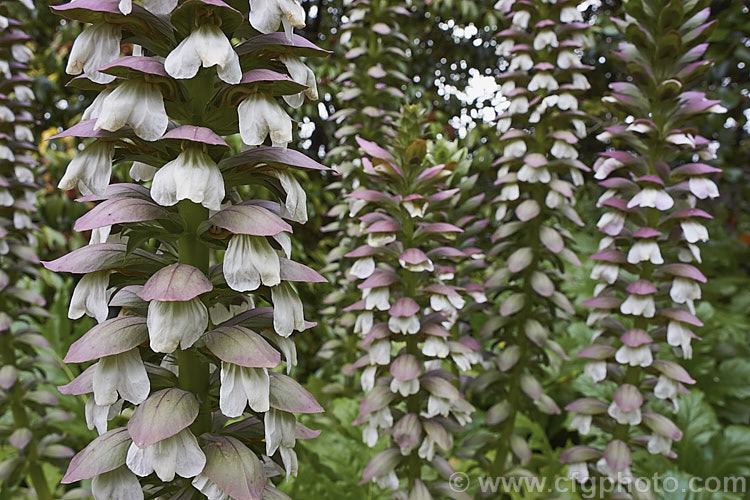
[452, 63]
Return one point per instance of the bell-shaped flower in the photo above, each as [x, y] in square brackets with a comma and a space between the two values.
[362, 268]
[267, 15]
[295, 204]
[135, 103]
[90, 297]
[242, 386]
[363, 323]
[639, 305]
[193, 176]
[120, 376]
[175, 323]
[97, 416]
[703, 188]
[666, 388]
[260, 115]
[142, 172]
[634, 356]
[645, 250]
[250, 261]
[679, 336]
[435, 347]
[694, 231]
[118, 484]
[685, 291]
[581, 423]
[178, 454]
[653, 198]
[630, 417]
[378, 297]
[521, 19]
[96, 46]
[95, 108]
[545, 38]
[207, 46]
[543, 80]
[288, 314]
[90, 170]
[606, 272]
[597, 370]
[281, 434]
[522, 62]
[300, 73]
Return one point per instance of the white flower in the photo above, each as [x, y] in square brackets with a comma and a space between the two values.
[440, 302]
[659, 444]
[639, 305]
[380, 352]
[694, 231]
[579, 81]
[118, 484]
[666, 388]
[703, 188]
[6, 199]
[624, 476]
[679, 336]
[267, 15]
[363, 267]
[543, 80]
[634, 356]
[260, 115]
[122, 374]
[613, 221]
[581, 423]
[135, 103]
[90, 297]
[578, 471]
[521, 19]
[545, 38]
[377, 298]
[23, 133]
[193, 176]
[96, 46]
[403, 325]
[570, 15]
[510, 192]
[427, 448]
[566, 59]
[367, 380]
[250, 261]
[435, 347]
[377, 240]
[632, 417]
[95, 108]
[242, 386]
[288, 314]
[97, 416]
[597, 370]
[405, 387]
[563, 150]
[211, 490]
[524, 62]
[142, 172]
[363, 323]
[206, 46]
[515, 149]
[295, 204]
[645, 250]
[685, 291]
[654, 198]
[91, 169]
[300, 73]
[606, 272]
[178, 454]
[23, 93]
[567, 101]
[175, 323]
[22, 221]
[281, 433]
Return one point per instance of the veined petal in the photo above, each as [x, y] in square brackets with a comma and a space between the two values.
[90, 297]
[176, 323]
[97, 46]
[295, 205]
[288, 314]
[138, 104]
[119, 484]
[193, 176]
[260, 116]
[91, 169]
[250, 261]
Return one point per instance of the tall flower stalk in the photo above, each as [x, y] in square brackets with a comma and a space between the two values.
[188, 272]
[654, 178]
[538, 175]
[407, 314]
[29, 403]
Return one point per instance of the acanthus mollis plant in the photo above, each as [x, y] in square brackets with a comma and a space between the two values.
[655, 176]
[538, 175]
[407, 313]
[188, 273]
[373, 52]
[30, 438]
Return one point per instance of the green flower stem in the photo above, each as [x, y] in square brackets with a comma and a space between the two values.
[21, 420]
[194, 371]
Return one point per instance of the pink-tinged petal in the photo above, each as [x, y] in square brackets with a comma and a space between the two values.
[691, 169]
[602, 302]
[85, 129]
[383, 226]
[241, 346]
[127, 296]
[248, 219]
[357, 306]
[99, 257]
[641, 287]
[520, 259]
[527, 210]
[579, 454]
[376, 400]
[635, 337]
[512, 304]
[587, 406]
[662, 425]
[609, 255]
[233, 467]
[381, 464]
[119, 211]
[274, 156]
[20, 438]
[646, 232]
[405, 367]
[628, 397]
[439, 227]
[114, 336]
[362, 251]
[289, 396]
[123, 190]
[653, 179]
[139, 64]
[685, 213]
[617, 455]
[175, 283]
[370, 195]
[446, 253]
[674, 371]
[104, 454]
[373, 149]
[404, 307]
[298, 45]
[294, 271]
[413, 256]
[681, 315]
[379, 278]
[8, 376]
[618, 183]
[436, 330]
[82, 384]
[498, 413]
[162, 415]
[196, 134]
[304, 432]
[684, 271]
[551, 239]
[183, 18]
[597, 351]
